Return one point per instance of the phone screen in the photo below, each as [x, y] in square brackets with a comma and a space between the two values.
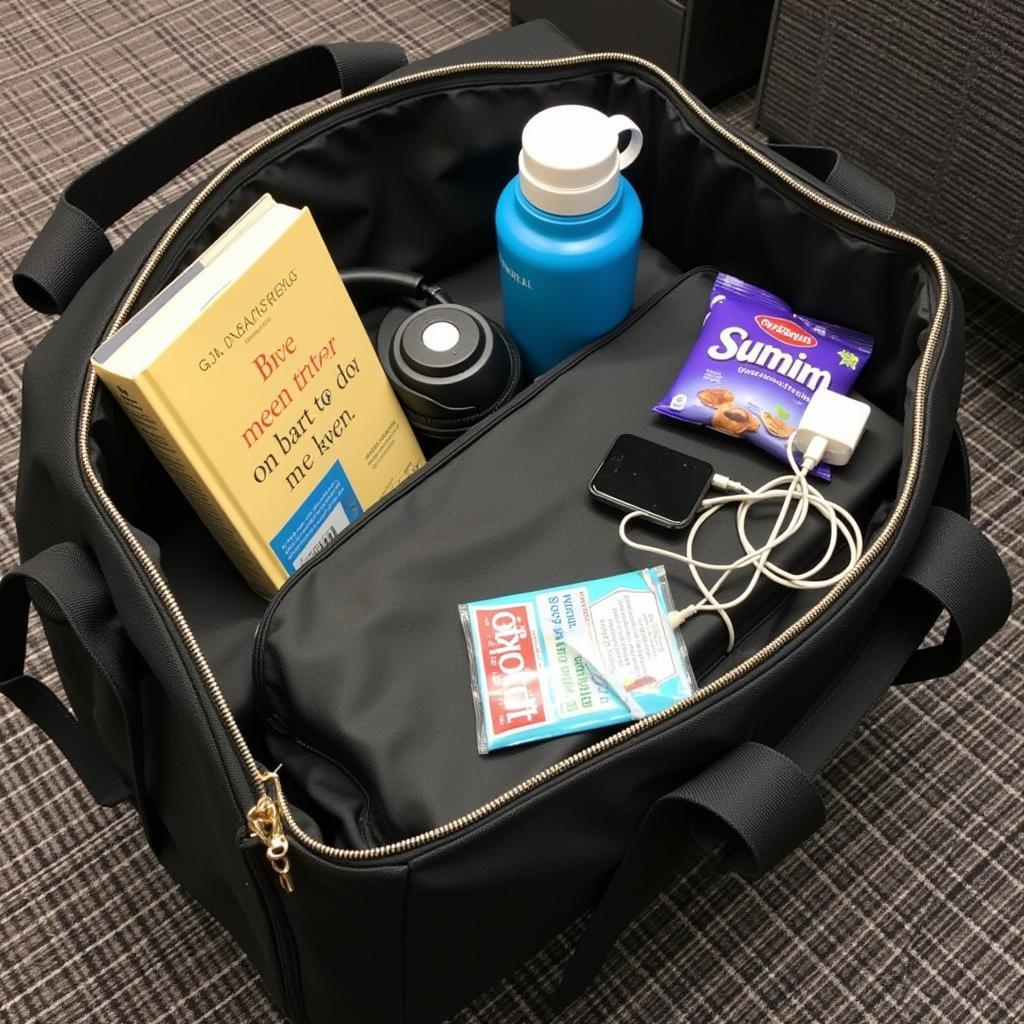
[640, 475]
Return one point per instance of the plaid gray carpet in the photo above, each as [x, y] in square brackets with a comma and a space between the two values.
[906, 907]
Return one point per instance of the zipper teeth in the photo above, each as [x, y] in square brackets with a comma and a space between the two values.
[636, 728]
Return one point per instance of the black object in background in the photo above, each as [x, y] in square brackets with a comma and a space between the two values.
[714, 47]
[638, 475]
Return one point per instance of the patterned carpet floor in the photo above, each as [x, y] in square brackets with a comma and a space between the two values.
[907, 906]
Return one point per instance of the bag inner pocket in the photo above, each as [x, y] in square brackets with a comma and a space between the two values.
[363, 656]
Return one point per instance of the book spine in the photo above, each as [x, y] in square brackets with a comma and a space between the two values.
[156, 421]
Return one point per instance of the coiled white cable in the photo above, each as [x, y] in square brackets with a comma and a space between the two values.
[794, 491]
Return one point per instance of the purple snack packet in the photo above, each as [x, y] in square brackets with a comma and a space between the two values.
[756, 364]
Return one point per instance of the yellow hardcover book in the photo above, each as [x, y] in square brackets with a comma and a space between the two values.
[254, 382]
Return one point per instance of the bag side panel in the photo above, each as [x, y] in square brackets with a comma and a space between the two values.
[192, 784]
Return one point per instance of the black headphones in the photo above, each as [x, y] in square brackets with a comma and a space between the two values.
[449, 364]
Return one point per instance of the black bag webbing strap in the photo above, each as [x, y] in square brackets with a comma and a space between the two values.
[848, 182]
[73, 242]
[755, 804]
[67, 583]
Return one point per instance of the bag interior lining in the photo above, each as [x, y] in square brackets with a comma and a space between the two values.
[413, 185]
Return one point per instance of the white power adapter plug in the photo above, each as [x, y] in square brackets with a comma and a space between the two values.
[829, 430]
[838, 421]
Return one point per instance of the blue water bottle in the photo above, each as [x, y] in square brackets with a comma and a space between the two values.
[568, 232]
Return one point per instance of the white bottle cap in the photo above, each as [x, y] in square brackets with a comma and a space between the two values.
[570, 160]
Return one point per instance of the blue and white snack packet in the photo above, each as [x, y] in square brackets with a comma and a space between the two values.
[586, 655]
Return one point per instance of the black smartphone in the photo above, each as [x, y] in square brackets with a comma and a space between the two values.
[638, 475]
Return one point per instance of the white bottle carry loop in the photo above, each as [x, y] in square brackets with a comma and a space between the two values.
[570, 161]
[620, 123]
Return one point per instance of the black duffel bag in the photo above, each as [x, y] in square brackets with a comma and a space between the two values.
[385, 871]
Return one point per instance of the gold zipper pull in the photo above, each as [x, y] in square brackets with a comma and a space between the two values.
[264, 820]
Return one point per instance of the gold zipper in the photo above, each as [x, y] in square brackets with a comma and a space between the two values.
[264, 819]
[271, 816]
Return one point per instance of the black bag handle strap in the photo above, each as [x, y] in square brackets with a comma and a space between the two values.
[955, 566]
[845, 180]
[63, 579]
[955, 485]
[755, 804]
[73, 243]
[736, 809]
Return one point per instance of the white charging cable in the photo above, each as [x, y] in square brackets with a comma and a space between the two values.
[837, 439]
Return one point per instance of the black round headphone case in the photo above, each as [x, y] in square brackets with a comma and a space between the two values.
[449, 364]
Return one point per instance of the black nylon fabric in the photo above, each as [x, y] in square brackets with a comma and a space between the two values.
[412, 936]
[369, 147]
[960, 570]
[845, 180]
[410, 745]
[69, 248]
[74, 602]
